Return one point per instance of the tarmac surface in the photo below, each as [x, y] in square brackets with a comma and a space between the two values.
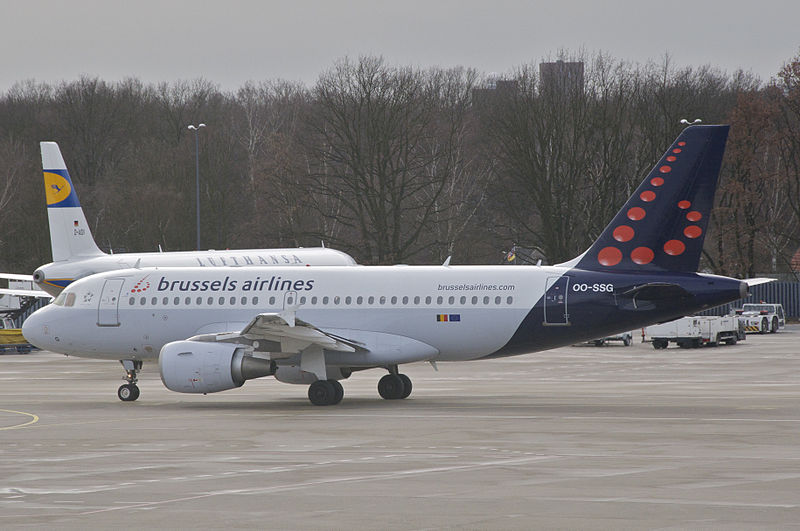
[574, 438]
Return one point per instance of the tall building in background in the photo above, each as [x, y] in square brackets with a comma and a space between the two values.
[561, 76]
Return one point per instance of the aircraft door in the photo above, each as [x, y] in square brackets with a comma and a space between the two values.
[108, 306]
[556, 312]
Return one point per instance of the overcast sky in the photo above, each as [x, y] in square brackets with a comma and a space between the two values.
[231, 41]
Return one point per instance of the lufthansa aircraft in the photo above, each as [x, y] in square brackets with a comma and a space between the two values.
[213, 328]
[75, 254]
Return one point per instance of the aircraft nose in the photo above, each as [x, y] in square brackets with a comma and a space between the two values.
[35, 330]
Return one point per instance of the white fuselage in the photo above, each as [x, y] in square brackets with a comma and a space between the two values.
[462, 312]
[55, 276]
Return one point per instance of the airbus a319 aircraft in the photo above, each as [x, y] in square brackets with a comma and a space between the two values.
[211, 329]
[76, 255]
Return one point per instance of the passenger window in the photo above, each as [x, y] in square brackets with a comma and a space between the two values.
[463, 299]
[336, 299]
[221, 301]
[165, 301]
[474, 299]
[233, 301]
[359, 300]
[451, 300]
[371, 300]
[244, 300]
[439, 299]
[497, 299]
[210, 301]
[382, 300]
[302, 300]
[486, 300]
[255, 301]
[313, 300]
[176, 301]
[272, 301]
[153, 301]
[348, 300]
[428, 299]
[142, 301]
[325, 300]
[394, 300]
[416, 299]
[132, 301]
[509, 300]
[199, 301]
[187, 301]
[405, 300]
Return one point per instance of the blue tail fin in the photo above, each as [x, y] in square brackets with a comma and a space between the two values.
[663, 225]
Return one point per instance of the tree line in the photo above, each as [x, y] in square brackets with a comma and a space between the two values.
[396, 164]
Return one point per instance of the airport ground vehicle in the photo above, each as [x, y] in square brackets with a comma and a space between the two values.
[696, 331]
[762, 317]
[11, 338]
[625, 337]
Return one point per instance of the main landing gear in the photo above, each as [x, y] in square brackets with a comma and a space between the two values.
[130, 391]
[394, 386]
[325, 392]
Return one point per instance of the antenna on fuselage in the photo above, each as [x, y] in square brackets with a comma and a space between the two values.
[447, 262]
[684, 121]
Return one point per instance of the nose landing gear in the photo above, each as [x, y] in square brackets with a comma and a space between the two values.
[130, 391]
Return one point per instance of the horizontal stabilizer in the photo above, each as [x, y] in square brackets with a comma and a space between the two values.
[757, 281]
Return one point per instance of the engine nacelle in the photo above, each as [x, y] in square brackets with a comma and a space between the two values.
[206, 367]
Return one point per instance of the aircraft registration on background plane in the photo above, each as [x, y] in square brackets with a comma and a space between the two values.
[76, 255]
[211, 329]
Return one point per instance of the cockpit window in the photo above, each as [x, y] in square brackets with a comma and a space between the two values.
[70, 300]
[60, 299]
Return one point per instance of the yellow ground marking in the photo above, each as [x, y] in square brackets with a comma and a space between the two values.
[34, 419]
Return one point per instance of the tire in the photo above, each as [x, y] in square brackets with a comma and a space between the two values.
[128, 392]
[774, 327]
[391, 387]
[322, 393]
[659, 344]
[599, 342]
[407, 386]
[338, 392]
[764, 326]
[627, 341]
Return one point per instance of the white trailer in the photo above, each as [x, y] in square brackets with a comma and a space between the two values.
[693, 332]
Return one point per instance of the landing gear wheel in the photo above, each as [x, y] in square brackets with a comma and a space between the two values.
[322, 393]
[128, 392]
[338, 391]
[627, 341]
[406, 385]
[391, 387]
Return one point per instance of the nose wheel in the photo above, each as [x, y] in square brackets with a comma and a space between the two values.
[130, 391]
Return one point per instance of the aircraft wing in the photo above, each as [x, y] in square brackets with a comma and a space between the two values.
[25, 293]
[293, 335]
[14, 276]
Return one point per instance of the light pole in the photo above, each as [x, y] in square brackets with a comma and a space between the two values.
[197, 174]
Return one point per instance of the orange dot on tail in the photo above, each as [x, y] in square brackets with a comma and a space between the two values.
[672, 158]
[681, 144]
[683, 205]
[692, 231]
[609, 256]
[694, 215]
[647, 195]
[656, 181]
[642, 255]
[674, 247]
[665, 169]
[636, 213]
[623, 233]
[677, 150]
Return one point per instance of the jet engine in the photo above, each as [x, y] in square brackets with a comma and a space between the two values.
[205, 367]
